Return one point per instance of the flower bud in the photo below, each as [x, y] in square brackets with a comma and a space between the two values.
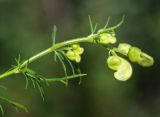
[123, 48]
[145, 60]
[134, 54]
[79, 51]
[121, 66]
[78, 58]
[70, 54]
[107, 38]
[75, 46]
[75, 52]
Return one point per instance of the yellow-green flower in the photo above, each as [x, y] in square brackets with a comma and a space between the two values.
[107, 38]
[79, 51]
[75, 52]
[121, 66]
[75, 46]
[70, 54]
[134, 54]
[123, 48]
[145, 60]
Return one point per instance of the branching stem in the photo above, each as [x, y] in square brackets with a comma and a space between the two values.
[47, 51]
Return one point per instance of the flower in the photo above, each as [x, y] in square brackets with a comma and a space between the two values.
[107, 38]
[75, 52]
[145, 60]
[121, 66]
[134, 54]
[77, 49]
[123, 48]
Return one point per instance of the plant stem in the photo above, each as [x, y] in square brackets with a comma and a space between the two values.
[64, 78]
[47, 51]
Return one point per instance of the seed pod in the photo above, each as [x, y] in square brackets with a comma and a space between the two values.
[123, 48]
[145, 60]
[121, 66]
[107, 38]
[134, 54]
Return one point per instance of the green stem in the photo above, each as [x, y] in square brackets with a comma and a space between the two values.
[47, 51]
[64, 78]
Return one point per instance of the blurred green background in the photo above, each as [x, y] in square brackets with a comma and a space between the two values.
[25, 28]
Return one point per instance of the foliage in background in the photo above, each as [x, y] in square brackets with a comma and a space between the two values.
[25, 21]
[71, 51]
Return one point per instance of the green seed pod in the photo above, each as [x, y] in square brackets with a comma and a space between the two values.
[121, 66]
[134, 54]
[107, 38]
[123, 48]
[145, 60]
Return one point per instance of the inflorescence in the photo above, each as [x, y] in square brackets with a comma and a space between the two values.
[71, 51]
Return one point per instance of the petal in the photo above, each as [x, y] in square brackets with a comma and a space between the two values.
[145, 60]
[121, 66]
[113, 62]
[107, 38]
[123, 48]
[134, 54]
[71, 55]
[79, 51]
[75, 46]
[124, 71]
[78, 59]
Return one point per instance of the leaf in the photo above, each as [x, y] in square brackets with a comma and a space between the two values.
[103, 30]
[91, 24]
[118, 25]
[40, 89]
[1, 109]
[108, 19]
[55, 57]
[70, 63]
[54, 35]
[35, 79]
[79, 71]
[18, 59]
[63, 65]
[63, 78]
[26, 77]
[3, 87]
[95, 27]
[15, 104]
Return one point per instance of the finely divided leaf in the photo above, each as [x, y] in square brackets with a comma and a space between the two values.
[54, 35]
[15, 104]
